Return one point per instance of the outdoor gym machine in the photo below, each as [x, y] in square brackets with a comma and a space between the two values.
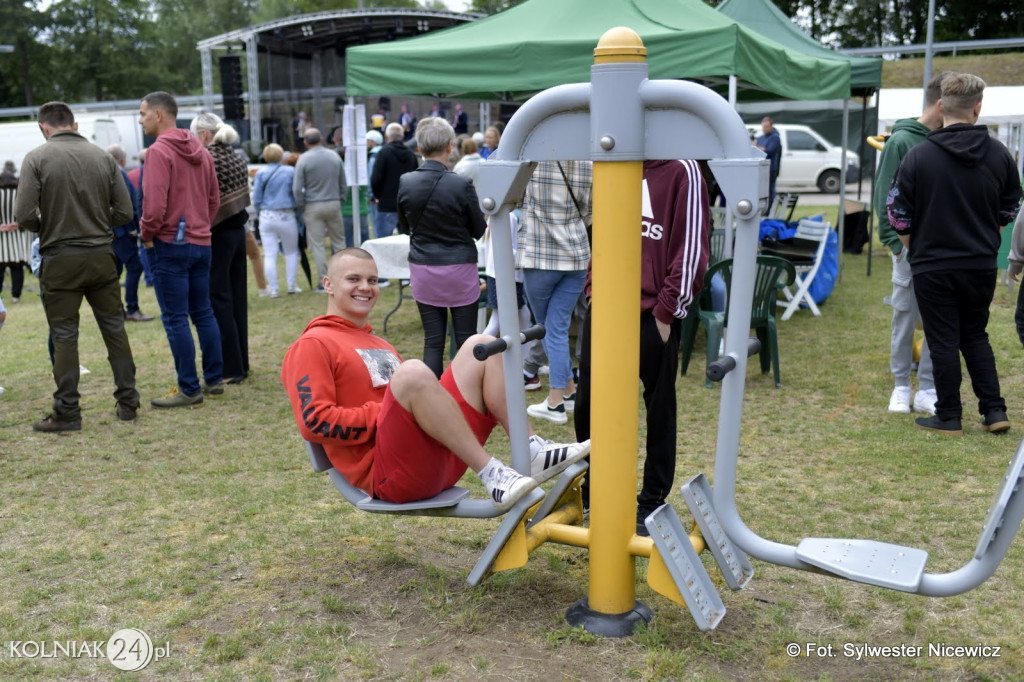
[617, 120]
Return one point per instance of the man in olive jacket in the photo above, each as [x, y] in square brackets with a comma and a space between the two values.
[71, 192]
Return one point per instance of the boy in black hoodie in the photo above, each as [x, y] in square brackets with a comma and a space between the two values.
[950, 197]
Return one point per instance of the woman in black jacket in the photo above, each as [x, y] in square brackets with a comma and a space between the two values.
[440, 212]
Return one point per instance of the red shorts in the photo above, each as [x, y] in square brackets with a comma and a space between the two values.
[408, 464]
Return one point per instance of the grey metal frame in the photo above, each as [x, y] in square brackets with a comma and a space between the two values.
[601, 121]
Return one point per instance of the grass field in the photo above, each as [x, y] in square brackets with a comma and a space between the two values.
[207, 529]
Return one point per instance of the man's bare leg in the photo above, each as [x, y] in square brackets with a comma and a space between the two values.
[482, 385]
[417, 389]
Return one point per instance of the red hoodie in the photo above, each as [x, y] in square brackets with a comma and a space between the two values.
[675, 224]
[180, 181]
[336, 375]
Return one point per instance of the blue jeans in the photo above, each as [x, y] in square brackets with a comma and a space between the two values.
[553, 295]
[364, 230]
[372, 217]
[387, 223]
[183, 291]
[127, 251]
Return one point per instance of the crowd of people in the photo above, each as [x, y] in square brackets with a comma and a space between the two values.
[405, 430]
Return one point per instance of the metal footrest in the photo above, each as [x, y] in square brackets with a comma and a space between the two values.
[561, 493]
[510, 539]
[732, 561]
[866, 561]
[685, 567]
[1010, 487]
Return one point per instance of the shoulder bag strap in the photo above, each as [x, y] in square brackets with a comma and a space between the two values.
[571, 194]
[424, 206]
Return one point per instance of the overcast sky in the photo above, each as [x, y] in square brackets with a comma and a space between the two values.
[457, 5]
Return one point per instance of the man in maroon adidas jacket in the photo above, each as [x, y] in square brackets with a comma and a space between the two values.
[674, 256]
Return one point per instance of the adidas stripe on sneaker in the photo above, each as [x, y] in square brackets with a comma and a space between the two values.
[552, 459]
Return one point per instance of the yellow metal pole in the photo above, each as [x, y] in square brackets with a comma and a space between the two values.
[615, 352]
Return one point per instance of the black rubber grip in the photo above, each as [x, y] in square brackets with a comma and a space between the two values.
[482, 351]
[722, 366]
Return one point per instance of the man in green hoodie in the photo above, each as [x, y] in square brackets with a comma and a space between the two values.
[906, 133]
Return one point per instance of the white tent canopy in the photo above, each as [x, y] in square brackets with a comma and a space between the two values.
[1000, 108]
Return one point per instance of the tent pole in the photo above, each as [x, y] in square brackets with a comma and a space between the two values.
[733, 86]
[863, 138]
[842, 186]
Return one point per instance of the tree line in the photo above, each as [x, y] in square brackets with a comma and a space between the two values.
[101, 50]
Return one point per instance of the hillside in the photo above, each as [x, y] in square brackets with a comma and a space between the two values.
[996, 69]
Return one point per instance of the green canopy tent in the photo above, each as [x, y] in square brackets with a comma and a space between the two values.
[542, 43]
[865, 72]
[767, 20]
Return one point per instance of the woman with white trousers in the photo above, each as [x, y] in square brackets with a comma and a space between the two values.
[272, 196]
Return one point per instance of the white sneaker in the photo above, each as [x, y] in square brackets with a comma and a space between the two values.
[294, 290]
[506, 486]
[900, 400]
[544, 411]
[924, 401]
[264, 293]
[552, 458]
[274, 293]
[570, 403]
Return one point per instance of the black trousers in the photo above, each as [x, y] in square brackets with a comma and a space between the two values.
[435, 329]
[954, 308]
[659, 364]
[228, 296]
[17, 277]
[1018, 316]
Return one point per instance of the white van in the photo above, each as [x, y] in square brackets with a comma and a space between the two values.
[18, 139]
[809, 159]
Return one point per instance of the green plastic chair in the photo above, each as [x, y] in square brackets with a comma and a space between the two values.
[773, 274]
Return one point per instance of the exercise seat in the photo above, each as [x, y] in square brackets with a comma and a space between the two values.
[454, 501]
[772, 274]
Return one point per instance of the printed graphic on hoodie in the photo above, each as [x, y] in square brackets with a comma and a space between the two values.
[380, 363]
[650, 229]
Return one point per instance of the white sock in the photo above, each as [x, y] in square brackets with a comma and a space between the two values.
[490, 469]
[536, 444]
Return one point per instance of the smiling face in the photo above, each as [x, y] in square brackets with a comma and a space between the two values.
[351, 285]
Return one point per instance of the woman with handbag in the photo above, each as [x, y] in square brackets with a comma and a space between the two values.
[272, 196]
[440, 212]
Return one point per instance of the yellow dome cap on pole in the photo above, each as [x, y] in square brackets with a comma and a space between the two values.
[620, 44]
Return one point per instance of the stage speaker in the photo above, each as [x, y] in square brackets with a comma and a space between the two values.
[231, 87]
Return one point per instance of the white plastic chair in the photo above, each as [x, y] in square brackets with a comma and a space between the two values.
[806, 254]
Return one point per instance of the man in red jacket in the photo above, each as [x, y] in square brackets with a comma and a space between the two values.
[675, 225]
[180, 198]
[391, 427]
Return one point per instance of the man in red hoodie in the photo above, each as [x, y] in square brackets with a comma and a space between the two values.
[674, 224]
[180, 198]
[391, 427]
